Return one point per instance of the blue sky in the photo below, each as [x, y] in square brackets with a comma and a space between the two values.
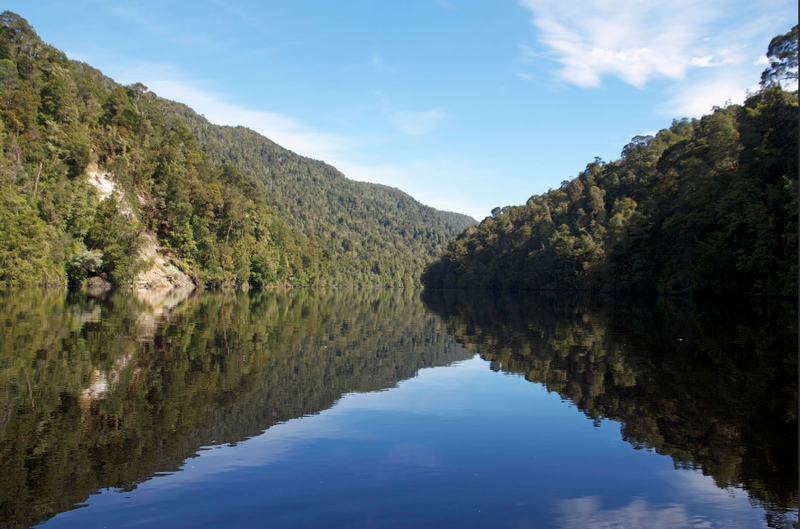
[464, 104]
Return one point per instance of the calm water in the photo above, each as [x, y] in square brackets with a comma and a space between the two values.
[370, 408]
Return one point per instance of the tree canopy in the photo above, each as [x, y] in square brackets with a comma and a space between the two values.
[228, 207]
[706, 205]
[782, 55]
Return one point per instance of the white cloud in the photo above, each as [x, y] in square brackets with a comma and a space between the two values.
[409, 122]
[416, 177]
[703, 62]
[633, 40]
[696, 98]
[417, 123]
[283, 130]
[643, 41]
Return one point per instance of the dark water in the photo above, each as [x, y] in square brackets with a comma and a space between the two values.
[369, 408]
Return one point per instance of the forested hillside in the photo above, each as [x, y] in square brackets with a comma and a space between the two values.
[221, 224]
[378, 234]
[707, 205]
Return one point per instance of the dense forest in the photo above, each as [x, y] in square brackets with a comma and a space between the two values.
[98, 393]
[378, 234]
[710, 386]
[707, 205]
[226, 214]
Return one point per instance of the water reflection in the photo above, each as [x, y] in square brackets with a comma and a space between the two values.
[712, 386]
[110, 391]
[580, 513]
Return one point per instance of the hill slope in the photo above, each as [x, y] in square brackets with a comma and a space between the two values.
[276, 219]
[708, 205]
[378, 234]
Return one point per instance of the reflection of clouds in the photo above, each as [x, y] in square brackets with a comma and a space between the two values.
[276, 444]
[732, 504]
[413, 455]
[701, 488]
[588, 513]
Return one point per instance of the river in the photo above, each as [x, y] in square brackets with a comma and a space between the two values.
[396, 408]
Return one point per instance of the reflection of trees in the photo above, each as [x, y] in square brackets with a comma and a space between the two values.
[104, 393]
[713, 387]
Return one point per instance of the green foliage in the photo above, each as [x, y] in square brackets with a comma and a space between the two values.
[84, 263]
[708, 205]
[94, 395]
[782, 54]
[231, 209]
[25, 245]
[378, 235]
[119, 238]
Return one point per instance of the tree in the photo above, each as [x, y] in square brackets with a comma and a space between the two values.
[782, 53]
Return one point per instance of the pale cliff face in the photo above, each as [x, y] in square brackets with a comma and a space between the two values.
[162, 274]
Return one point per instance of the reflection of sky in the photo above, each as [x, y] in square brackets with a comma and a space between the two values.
[581, 513]
[454, 446]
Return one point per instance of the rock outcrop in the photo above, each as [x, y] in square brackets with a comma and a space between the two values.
[161, 274]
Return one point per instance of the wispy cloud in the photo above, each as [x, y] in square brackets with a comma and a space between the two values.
[170, 83]
[527, 55]
[409, 122]
[588, 512]
[417, 122]
[639, 42]
[281, 129]
[695, 98]
[414, 177]
[525, 76]
[703, 62]
[428, 181]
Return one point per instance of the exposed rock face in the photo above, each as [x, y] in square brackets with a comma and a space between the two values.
[161, 275]
[106, 187]
[100, 180]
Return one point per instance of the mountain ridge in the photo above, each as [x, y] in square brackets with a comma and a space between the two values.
[225, 214]
[256, 155]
